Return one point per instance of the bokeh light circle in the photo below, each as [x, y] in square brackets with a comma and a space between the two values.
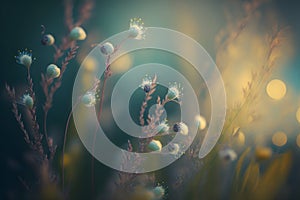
[276, 89]
[279, 139]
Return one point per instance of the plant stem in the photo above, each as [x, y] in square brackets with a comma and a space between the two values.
[36, 129]
[106, 76]
[64, 146]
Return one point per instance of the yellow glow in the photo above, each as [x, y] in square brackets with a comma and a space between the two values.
[122, 64]
[87, 80]
[279, 139]
[90, 64]
[241, 138]
[67, 160]
[276, 89]
[298, 140]
[201, 122]
[298, 115]
[263, 153]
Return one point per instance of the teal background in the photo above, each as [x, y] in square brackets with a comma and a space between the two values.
[20, 28]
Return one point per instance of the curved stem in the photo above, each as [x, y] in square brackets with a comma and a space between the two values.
[106, 76]
[45, 126]
[64, 147]
[36, 128]
[98, 117]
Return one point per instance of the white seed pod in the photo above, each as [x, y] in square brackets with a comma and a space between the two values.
[137, 29]
[77, 33]
[48, 40]
[181, 128]
[228, 154]
[53, 71]
[89, 99]
[24, 58]
[162, 128]
[155, 145]
[27, 100]
[107, 49]
[174, 91]
[159, 192]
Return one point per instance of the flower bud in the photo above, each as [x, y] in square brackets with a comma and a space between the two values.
[181, 128]
[159, 192]
[27, 101]
[147, 88]
[155, 145]
[228, 155]
[53, 71]
[89, 99]
[24, 58]
[107, 49]
[48, 40]
[174, 91]
[162, 128]
[137, 29]
[77, 33]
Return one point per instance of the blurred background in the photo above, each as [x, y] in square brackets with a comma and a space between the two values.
[254, 44]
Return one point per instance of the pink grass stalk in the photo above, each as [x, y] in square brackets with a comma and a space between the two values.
[107, 74]
[49, 90]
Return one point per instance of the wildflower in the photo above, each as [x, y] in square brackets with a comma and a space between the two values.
[174, 148]
[53, 71]
[181, 128]
[201, 122]
[155, 145]
[146, 84]
[24, 58]
[174, 92]
[77, 33]
[89, 99]
[263, 153]
[159, 192]
[163, 127]
[107, 48]
[137, 29]
[228, 154]
[48, 40]
[27, 101]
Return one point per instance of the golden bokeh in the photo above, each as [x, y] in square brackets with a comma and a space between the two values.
[279, 139]
[122, 64]
[90, 64]
[87, 81]
[298, 115]
[298, 140]
[276, 89]
[66, 160]
[201, 122]
[263, 153]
